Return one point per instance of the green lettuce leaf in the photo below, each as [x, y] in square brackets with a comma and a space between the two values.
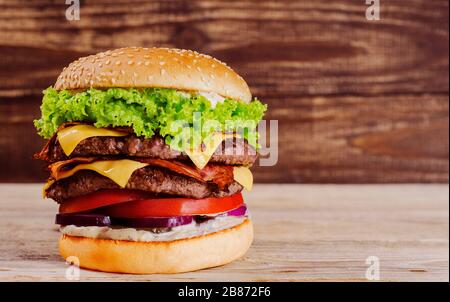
[148, 111]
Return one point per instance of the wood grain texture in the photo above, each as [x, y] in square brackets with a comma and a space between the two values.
[356, 101]
[307, 233]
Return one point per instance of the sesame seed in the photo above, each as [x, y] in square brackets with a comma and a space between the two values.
[130, 62]
[162, 63]
[147, 63]
[107, 62]
[163, 71]
[118, 63]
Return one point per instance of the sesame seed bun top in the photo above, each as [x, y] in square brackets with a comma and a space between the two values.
[136, 67]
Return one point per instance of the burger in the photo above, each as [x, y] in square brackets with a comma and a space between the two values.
[148, 152]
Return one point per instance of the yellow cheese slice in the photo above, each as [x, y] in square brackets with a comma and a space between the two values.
[118, 171]
[46, 186]
[70, 137]
[200, 157]
[244, 176]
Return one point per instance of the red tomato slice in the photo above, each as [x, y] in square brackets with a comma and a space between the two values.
[100, 199]
[167, 207]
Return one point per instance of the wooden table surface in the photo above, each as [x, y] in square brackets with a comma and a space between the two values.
[303, 233]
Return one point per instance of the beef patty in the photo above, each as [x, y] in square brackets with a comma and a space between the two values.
[232, 152]
[150, 179]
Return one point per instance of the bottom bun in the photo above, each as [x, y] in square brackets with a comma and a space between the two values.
[166, 257]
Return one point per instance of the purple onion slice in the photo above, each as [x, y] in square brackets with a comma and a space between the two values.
[83, 219]
[238, 211]
[241, 211]
[92, 219]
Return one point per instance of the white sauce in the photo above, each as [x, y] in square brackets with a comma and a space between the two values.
[213, 97]
[130, 234]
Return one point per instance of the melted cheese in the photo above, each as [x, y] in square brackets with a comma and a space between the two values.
[200, 157]
[121, 170]
[70, 137]
[47, 185]
[118, 171]
[244, 176]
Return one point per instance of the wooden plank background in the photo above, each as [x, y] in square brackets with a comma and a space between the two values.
[357, 101]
